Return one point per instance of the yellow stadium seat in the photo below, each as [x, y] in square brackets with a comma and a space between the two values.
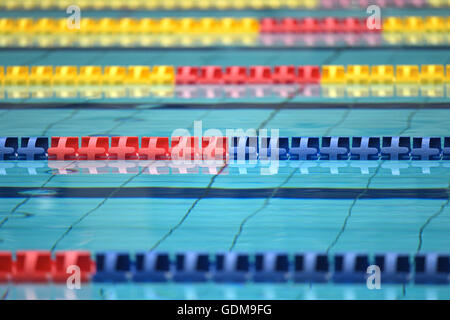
[437, 3]
[358, 74]
[187, 4]
[435, 24]
[107, 25]
[65, 75]
[45, 25]
[432, 74]
[209, 25]
[128, 25]
[168, 25]
[162, 75]
[6, 25]
[138, 75]
[333, 74]
[87, 26]
[41, 75]
[382, 74]
[24, 25]
[413, 24]
[16, 75]
[393, 24]
[90, 75]
[189, 25]
[147, 25]
[407, 74]
[249, 25]
[311, 4]
[230, 25]
[114, 74]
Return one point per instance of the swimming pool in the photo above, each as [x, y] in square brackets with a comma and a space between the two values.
[333, 210]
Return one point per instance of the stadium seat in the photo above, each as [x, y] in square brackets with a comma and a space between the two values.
[335, 148]
[93, 148]
[151, 267]
[231, 267]
[33, 148]
[432, 268]
[191, 267]
[311, 267]
[426, 148]
[304, 148]
[396, 148]
[271, 267]
[350, 268]
[365, 148]
[112, 266]
[394, 267]
[8, 148]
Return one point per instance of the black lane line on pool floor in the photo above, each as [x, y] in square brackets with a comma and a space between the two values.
[224, 105]
[365, 190]
[275, 111]
[222, 193]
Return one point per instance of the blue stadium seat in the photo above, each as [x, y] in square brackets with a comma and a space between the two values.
[432, 268]
[270, 144]
[304, 148]
[33, 148]
[244, 148]
[231, 267]
[192, 267]
[426, 149]
[271, 267]
[350, 268]
[395, 268]
[112, 266]
[365, 148]
[335, 148]
[396, 148]
[151, 267]
[8, 148]
[311, 267]
[446, 150]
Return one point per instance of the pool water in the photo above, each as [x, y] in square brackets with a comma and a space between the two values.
[38, 217]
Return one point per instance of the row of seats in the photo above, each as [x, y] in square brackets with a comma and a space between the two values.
[218, 4]
[218, 148]
[171, 4]
[88, 75]
[131, 26]
[416, 24]
[222, 25]
[384, 74]
[167, 75]
[111, 266]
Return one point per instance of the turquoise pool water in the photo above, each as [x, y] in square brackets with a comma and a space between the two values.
[181, 224]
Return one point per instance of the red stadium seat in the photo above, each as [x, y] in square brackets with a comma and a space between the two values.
[290, 25]
[63, 148]
[6, 266]
[185, 148]
[215, 148]
[93, 148]
[154, 148]
[64, 260]
[211, 75]
[260, 75]
[310, 25]
[269, 25]
[235, 75]
[187, 75]
[308, 74]
[284, 74]
[124, 148]
[32, 266]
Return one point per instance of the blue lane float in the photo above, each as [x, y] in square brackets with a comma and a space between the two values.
[282, 148]
[272, 267]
